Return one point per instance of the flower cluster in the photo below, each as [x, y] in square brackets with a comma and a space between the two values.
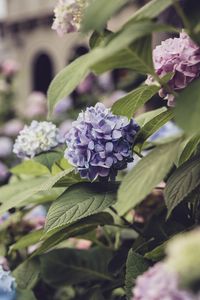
[12, 127]
[36, 106]
[68, 16]
[36, 138]
[181, 56]
[160, 283]
[7, 282]
[182, 258]
[100, 143]
[9, 68]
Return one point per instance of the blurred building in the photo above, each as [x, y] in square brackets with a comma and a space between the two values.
[26, 36]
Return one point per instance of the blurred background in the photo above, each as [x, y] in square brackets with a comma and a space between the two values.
[31, 54]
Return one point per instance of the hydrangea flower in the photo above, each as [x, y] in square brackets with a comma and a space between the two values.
[36, 105]
[4, 217]
[6, 146]
[180, 56]
[182, 258]
[100, 143]
[9, 67]
[36, 138]
[159, 283]
[12, 127]
[36, 217]
[63, 106]
[7, 282]
[68, 16]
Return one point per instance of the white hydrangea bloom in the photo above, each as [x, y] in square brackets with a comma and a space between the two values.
[36, 138]
[7, 282]
[68, 16]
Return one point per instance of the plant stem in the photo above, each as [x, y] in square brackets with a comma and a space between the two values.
[57, 164]
[138, 154]
[130, 225]
[108, 238]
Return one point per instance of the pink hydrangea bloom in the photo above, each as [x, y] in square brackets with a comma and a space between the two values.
[80, 244]
[36, 105]
[68, 16]
[12, 127]
[180, 56]
[9, 67]
[86, 85]
[159, 283]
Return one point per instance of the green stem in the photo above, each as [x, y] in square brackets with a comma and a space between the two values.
[100, 244]
[138, 154]
[130, 225]
[56, 163]
[106, 234]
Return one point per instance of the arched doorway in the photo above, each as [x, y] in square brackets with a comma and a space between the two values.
[42, 72]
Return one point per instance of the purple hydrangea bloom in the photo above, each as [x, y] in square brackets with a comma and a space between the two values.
[160, 283]
[180, 56]
[63, 106]
[100, 143]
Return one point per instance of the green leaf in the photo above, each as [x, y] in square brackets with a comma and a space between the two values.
[129, 104]
[95, 17]
[151, 10]
[70, 266]
[157, 253]
[182, 182]
[42, 197]
[148, 172]
[79, 201]
[27, 240]
[148, 116]
[79, 228]
[135, 265]
[49, 158]
[189, 148]
[14, 195]
[30, 167]
[138, 57]
[27, 274]
[25, 295]
[67, 80]
[54, 180]
[188, 104]
[99, 39]
[152, 126]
